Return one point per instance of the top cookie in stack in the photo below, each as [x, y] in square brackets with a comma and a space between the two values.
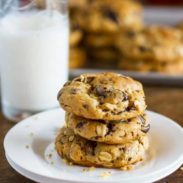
[106, 96]
[105, 119]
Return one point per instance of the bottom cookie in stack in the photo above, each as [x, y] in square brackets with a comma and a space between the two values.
[90, 153]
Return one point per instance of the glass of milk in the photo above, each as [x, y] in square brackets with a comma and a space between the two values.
[33, 55]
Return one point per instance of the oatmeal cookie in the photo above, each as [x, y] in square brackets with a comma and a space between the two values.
[109, 132]
[161, 44]
[104, 16]
[89, 153]
[104, 96]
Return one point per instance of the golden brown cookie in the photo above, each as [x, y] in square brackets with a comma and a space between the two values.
[157, 43]
[105, 96]
[109, 132]
[88, 153]
[104, 16]
[77, 58]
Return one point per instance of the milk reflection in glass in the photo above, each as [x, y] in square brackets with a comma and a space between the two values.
[34, 60]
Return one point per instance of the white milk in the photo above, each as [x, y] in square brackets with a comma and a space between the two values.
[34, 59]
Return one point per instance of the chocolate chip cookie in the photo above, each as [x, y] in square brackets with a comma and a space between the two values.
[109, 132]
[104, 16]
[104, 96]
[157, 43]
[89, 153]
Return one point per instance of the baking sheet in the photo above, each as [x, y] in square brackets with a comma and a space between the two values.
[152, 15]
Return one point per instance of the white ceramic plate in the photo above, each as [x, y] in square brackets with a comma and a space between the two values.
[29, 143]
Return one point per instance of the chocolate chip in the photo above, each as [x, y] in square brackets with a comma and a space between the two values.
[145, 129]
[125, 96]
[110, 127]
[122, 149]
[129, 159]
[74, 91]
[144, 49]
[97, 137]
[111, 15]
[90, 79]
[142, 119]
[90, 147]
[80, 124]
[86, 106]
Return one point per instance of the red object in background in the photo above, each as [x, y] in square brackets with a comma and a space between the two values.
[165, 2]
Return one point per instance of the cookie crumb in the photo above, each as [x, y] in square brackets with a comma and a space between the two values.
[36, 118]
[105, 174]
[27, 146]
[181, 168]
[49, 155]
[92, 168]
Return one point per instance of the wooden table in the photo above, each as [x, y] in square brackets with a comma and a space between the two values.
[164, 100]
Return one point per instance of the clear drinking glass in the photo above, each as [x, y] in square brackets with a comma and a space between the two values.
[33, 55]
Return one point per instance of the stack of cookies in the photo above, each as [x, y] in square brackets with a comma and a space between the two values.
[154, 48]
[106, 124]
[102, 21]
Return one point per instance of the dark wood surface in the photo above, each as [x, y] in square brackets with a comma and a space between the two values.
[164, 100]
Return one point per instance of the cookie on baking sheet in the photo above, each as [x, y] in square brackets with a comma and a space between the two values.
[89, 153]
[162, 44]
[175, 67]
[104, 16]
[77, 58]
[105, 96]
[110, 132]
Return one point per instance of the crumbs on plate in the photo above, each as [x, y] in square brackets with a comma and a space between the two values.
[105, 174]
[27, 146]
[92, 168]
